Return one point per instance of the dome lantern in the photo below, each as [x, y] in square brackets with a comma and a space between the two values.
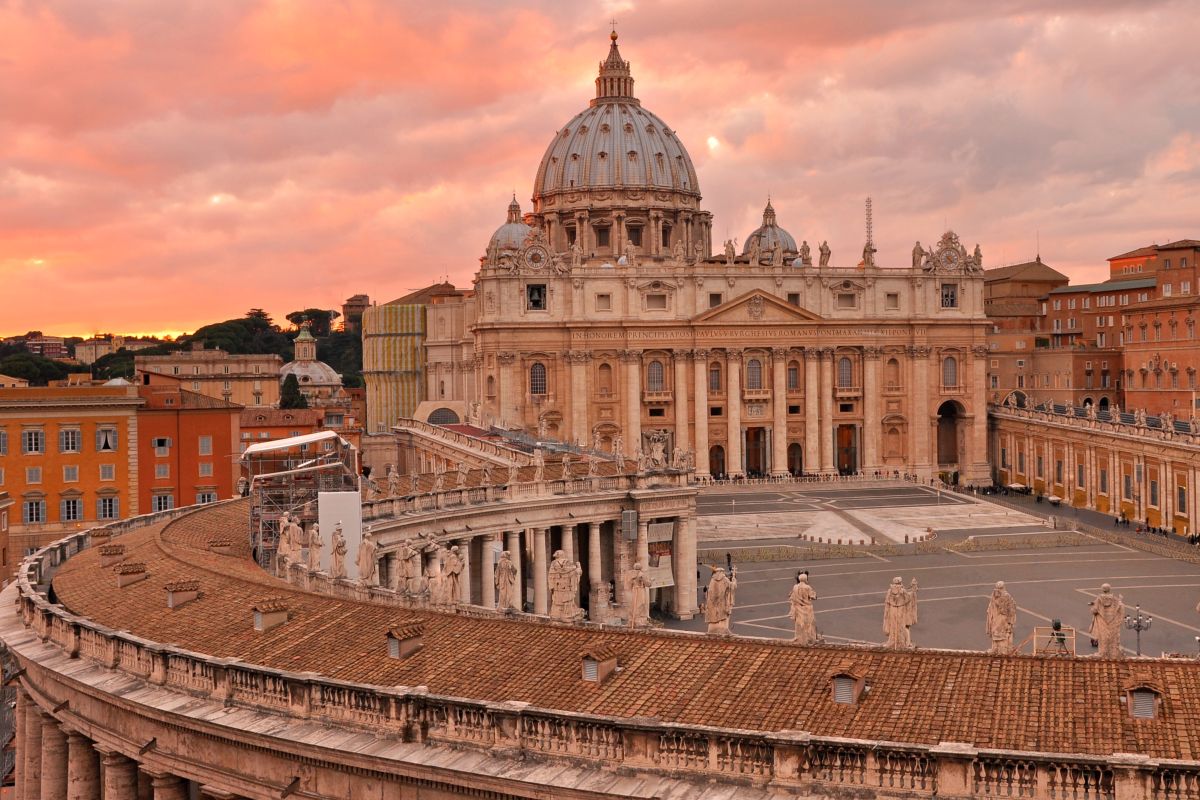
[615, 82]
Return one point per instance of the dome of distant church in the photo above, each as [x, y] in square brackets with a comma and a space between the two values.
[308, 371]
[769, 233]
[512, 233]
[616, 143]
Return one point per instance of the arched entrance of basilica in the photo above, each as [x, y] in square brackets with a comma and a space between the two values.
[716, 461]
[756, 452]
[795, 459]
[950, 416]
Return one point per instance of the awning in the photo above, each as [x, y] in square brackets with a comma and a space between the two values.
[291, 441]
[1054, 498]
[1016, 486]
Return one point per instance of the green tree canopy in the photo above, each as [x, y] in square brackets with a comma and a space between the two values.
[36, 369]
[290, 396]
[320, 321]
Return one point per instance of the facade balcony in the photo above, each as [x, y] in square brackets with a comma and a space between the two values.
[951, 390]
[848, 392]
[756, 394]
[657, 396]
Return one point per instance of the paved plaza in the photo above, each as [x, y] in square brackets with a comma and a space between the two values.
[1047, 583]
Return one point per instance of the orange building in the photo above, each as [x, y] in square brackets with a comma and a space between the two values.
[188, 445]
[6, 555]
[68, 459]
[265, 424]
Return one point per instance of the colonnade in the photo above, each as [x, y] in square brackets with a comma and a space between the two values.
[54, 761]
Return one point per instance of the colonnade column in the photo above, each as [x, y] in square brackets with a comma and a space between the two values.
[920, 399]
[872, 429]
[19, 742]
[514, 551]
[643, 542]
[487, 570]
[54, 760]
[812, 414]
[595, 569]
[33, 751]
[540, 594]
[509, 388]
[620, 565]
[633, 400]
[825, 432]
[169, 787]
[978, 394]
[733, 394]
[120, 777]
[680, 359]
[464, 578]
[779, 411]
[578, 359]
[83, 768]
[700, 392]
[684, 562]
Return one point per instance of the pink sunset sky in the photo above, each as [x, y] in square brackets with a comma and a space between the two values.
[168, 164]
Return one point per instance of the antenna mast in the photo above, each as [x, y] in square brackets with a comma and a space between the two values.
[870, 224]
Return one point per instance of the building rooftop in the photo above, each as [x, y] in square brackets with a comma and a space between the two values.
[1109, 286]
[1028, 271]
[1020, 703]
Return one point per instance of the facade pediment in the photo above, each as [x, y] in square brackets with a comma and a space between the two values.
[756, 306]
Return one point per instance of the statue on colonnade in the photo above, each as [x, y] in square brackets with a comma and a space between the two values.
[564, 587]
[506, 583]
[1001, 618]
[802, 612]
[638, 594]
[719, 607]
[1108, 614]
[900, 613]
[337, 557]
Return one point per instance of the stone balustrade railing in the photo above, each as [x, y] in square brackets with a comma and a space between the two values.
[832, 766]
[502, 453]
[1116, 426]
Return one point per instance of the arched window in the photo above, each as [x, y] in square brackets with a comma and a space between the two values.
[845, 373]
[491, 386]
[891, 374]
[605, 376]
[793, 376]
[754, 374]
[654, 376]
[714, 377]
[949, 371]
[537, 378]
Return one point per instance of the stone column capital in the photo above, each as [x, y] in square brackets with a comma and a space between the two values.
[630, 356]
[680, 356]
[506, 357]
[577, 356]
[825, 353]
[700, 354]
[779, 353]
[733, 353]
[980, 351]
[919, 351]
[872, 353]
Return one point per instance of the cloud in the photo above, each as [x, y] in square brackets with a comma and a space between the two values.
[370, 146]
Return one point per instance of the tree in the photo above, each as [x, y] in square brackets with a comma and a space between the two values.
[37, 369]
[343, 352]
[253, 333]
[290, 396]
[320, 321]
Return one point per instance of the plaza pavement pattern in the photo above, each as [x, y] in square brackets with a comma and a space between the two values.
[1047, 583]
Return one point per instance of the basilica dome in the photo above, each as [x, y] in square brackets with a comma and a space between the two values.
[512, 233]
[615, 143]
[769, 233]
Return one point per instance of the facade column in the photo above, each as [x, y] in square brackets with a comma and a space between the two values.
[872, 414]
[825, 434]
[54, 760]
[733, 408]
[120, 777]
[684, 563]
[700, 412]
[464, 578]
[633, 400]
[567, 541]
[977, 459]
[920, 458]
[83, 768]
[578, 360]
[509, 388]
[643, 542]
[514, 552]
[779, 411]
[620, 562]
[19, 744]
[33, 751]
[595, 571]
[679, 360]
[169, 787]
[812, 414]
[540, 587]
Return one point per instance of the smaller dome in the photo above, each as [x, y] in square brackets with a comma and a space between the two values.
[311, 373]
[511, 235]
[769, 233]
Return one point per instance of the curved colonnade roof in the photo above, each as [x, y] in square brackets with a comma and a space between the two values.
[1020, 703]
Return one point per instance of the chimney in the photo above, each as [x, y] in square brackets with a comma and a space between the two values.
[197, 345]
[405, 639]
[111, 554]
[270, 613]
[222, 546]
[599, 661]
[128, 573]
[181, 592]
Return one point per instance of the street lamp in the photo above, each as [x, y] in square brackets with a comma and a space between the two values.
[1138, 622]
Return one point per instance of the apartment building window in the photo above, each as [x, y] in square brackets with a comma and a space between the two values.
[33, 441]
[258, 369]
[1, 484]
[162, 502]
[162, 446]
[1087, 303]
[206, 497]
[206, 469]
[1071, 304]
[226, 386]
[1185, 287]
[33, 511]
[108, 508]
[174, 370]
[1166, 290]
[33, 474]
[1057, 325]
[1101, 340]
[70, 509]
[108, 472]
[69, 440]
[205, 446]
[3, 442]
[70, 474]
[225, 369]
[1070, 323]
[994, 381]
[162, 471]
[106, 440]
[949, 295]
[1166, 263]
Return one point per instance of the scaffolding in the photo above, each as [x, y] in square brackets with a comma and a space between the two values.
[285, 476]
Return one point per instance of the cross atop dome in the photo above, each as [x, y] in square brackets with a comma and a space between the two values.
[615, 81]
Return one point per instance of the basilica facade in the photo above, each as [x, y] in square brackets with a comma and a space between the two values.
[605, 318]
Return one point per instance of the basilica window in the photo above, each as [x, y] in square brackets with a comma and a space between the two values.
[891, 374]
[570, 235]
[754, 374]
[656, 302]
[635, 235]
[949, 295]
[491, 386]
[604, 302]
[845, 373]
[891, 301]
[949, 372]
[714, 377]
[602, 237]
[714, 299]
[605, 379]
[535, 297]
[793, 377]
[666, 237]
[537, 378]
[655, 376]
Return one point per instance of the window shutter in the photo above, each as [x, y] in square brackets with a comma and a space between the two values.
[843, 689]
[1143, 704]
[590, 669]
